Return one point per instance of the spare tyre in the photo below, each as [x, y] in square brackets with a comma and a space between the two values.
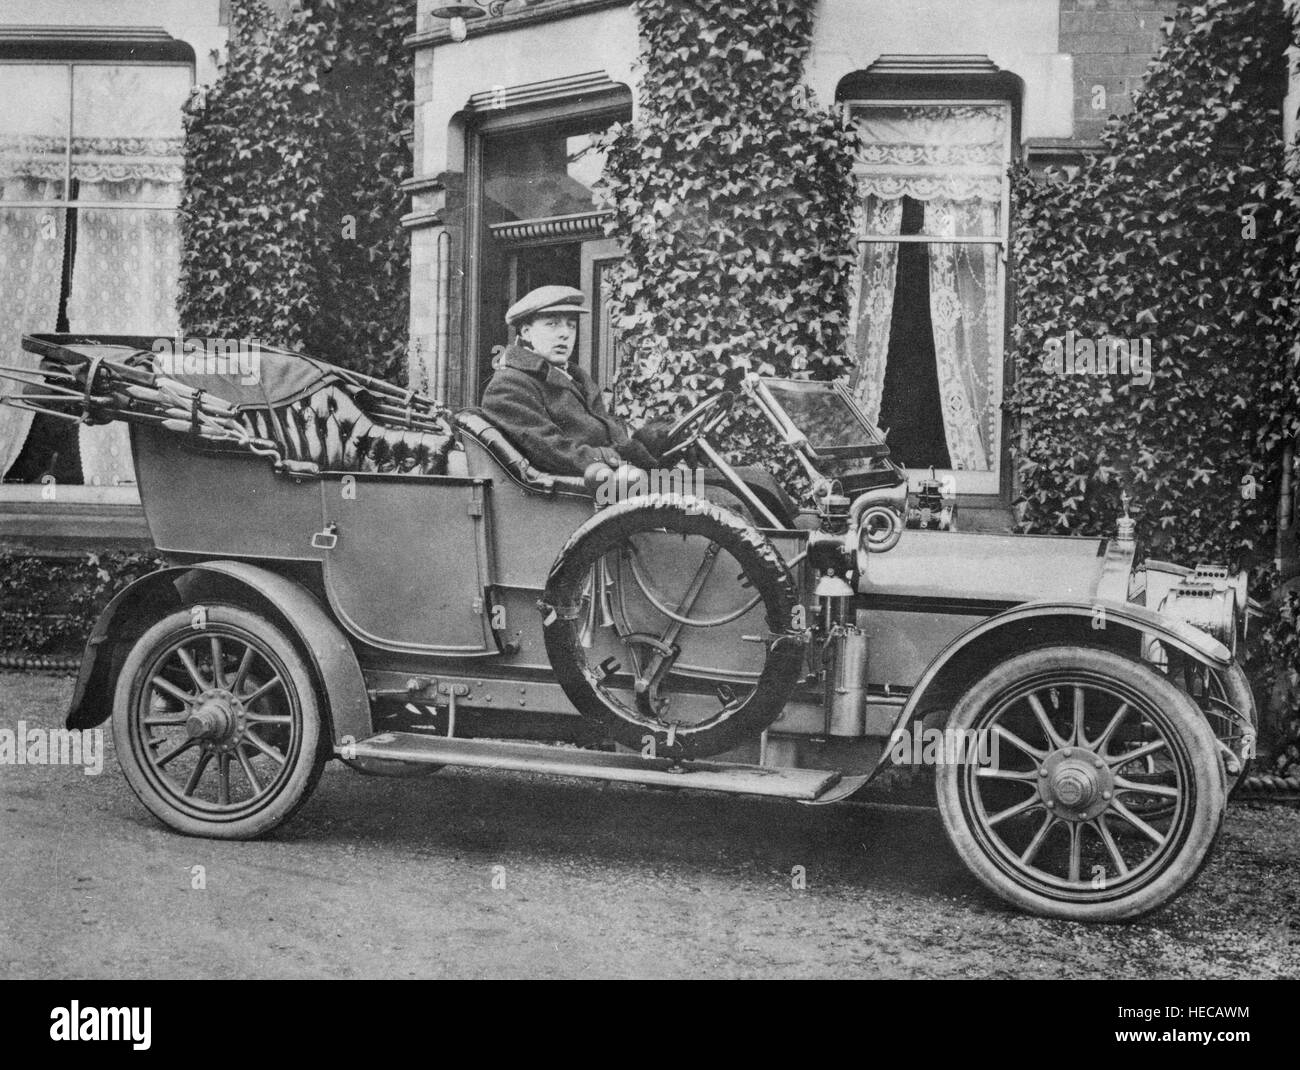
[641, 687]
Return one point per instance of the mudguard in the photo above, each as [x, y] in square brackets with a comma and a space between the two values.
[139, 605]
[1098, 622]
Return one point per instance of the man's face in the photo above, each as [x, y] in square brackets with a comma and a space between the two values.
[552, 334]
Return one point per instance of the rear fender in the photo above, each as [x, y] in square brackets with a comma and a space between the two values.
[292, 607]
[1116, 625]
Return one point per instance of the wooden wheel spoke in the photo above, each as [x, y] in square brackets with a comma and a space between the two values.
[169, 688]
[1124, 812]
[1102, 741]
[244, 664]
[1121, 760]
[1005, 733]
[191, 668]
[990, 773]
[217, 675]
[223, 780]
[1080, 738]
[264, 747]
[1035, 845]
[1112, 847]
[196, 774]
[181, 748]
[1076, 850]
[173, 720]
[269, 718]
[248, 700]
[1013, 811]
[249, 772]
[1053, 740]
[1163, 790]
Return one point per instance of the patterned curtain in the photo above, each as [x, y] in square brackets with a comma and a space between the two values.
[872, 300]
[31, 261]
[127, 265]
[33, 147]
[124, 281]
[952, 157]
[967, 319]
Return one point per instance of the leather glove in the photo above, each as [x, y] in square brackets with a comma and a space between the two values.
[653, 435]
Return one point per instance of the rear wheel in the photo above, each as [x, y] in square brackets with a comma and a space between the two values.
[1088, 745]
[216, 723]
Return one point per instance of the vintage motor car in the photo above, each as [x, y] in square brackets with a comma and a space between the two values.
[356, 573]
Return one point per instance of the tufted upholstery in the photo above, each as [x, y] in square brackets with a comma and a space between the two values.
[474, 423]
[329, 428]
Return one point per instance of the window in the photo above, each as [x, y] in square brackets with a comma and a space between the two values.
[538, 224]
[90, 172]
[928, 304]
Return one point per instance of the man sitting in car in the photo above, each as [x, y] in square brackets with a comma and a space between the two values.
[554, 413]
[548, 405]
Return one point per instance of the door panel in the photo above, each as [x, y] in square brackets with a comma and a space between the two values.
[409, 567]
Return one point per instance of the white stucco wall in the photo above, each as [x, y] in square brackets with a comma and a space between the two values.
[447, 76]
[1020, 36]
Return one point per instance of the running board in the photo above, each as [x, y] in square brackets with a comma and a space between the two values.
[805, 785]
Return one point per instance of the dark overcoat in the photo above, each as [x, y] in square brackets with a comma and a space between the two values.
[558, 421]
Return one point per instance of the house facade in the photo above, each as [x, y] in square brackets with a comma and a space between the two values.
[945, 94]
[506, 108]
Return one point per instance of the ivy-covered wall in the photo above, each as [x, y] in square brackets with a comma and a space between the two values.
[733, 195]
[1181, 235]
[292, 196]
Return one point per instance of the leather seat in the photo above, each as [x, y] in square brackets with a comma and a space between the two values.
[328, 428]
[474, 422]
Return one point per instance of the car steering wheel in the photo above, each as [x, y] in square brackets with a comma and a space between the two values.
[697, 423]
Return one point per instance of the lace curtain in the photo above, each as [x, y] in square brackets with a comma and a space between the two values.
[953, 158]
[125, 149]
[124, 281]
[31, 261]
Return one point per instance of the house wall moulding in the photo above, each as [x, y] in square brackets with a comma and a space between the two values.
[541, 62]
[120, 26]
[1019, 37]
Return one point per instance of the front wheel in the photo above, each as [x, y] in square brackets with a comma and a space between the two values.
[216, 723]
[1105, 791]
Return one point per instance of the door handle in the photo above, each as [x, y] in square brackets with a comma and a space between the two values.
[327, 539]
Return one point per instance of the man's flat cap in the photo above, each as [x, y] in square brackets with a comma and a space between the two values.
[546, 299]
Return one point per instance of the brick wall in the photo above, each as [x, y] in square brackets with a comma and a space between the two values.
[1112, 42]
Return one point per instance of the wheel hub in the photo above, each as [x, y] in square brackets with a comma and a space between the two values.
[1075, 784]
[217, 720]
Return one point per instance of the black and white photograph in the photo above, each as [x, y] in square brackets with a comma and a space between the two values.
[651, 489]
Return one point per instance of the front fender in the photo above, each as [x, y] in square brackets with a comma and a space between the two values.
[138, 606]
[1099, 622]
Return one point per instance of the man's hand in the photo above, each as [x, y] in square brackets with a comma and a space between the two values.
[596, 475]
[653, 435]
[609, 485]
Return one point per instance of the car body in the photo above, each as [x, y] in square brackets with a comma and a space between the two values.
[355, 573]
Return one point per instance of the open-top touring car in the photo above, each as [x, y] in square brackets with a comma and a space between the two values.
[355, 572]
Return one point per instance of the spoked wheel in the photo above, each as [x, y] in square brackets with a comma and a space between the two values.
[671, 622]
[217, 728]
[1089, 745]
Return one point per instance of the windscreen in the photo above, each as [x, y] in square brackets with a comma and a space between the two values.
[823, 414]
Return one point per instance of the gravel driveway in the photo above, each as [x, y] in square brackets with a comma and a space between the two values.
[476, 874]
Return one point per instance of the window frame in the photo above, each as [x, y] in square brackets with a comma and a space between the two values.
[994, 486]
[78, 495]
